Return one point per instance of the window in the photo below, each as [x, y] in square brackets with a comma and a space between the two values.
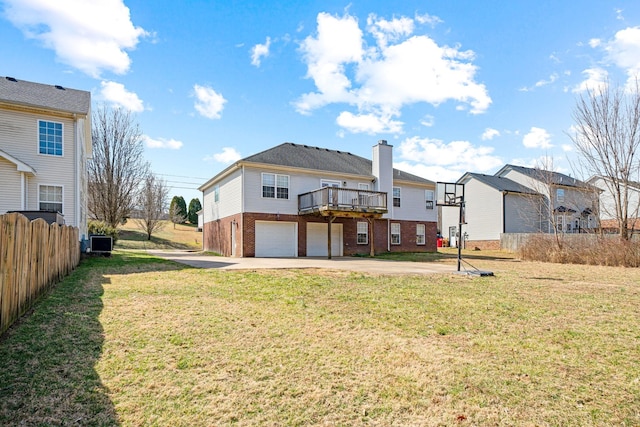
[362, 186]
[329, 183]
[50, 138]
[216, 193]
[560, 195]
[363, 233]
[560, 223]
[395, 233]
[396, 197]
[420, 232]
[50, 197]
[275, 186]
[428, 196]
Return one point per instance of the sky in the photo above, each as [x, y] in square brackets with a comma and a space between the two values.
[455, 87]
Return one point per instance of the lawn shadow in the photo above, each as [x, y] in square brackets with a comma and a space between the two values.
[48, 374]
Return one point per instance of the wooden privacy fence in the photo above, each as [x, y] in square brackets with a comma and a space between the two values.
[33, 256]
[512, 242]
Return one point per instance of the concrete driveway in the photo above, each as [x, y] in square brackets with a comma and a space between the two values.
[364, 265]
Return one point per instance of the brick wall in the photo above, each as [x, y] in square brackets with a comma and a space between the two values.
[217, 234]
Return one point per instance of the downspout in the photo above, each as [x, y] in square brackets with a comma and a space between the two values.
[244, 193]
[388, 234]
[504, 211]
[22, 191]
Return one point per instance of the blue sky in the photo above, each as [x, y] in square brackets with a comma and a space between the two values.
[453, 86]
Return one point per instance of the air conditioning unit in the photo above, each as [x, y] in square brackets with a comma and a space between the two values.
[100, 244]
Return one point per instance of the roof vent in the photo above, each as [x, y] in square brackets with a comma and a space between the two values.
[338, 151]
[59, 87]
[11, 79]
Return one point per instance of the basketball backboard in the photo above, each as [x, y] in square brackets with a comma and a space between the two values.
[449, 194]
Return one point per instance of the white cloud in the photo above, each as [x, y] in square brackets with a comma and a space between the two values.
[368, 123]
[90, 36]
[162, 143]
[116, 94]
[428, 121]
[395, 69]
[595, 81]
[228, 155]
[552, 78]
[445, 161]
[428, 19]
[489, 134]
[624, 50]
[567, 148]
[537, 138]
[259, 51]
[209, 103]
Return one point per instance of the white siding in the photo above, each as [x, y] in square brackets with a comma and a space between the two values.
[483, 212]
[19, 138]
[230, 198]
[10, 186]
[413, 204]
[521, 216]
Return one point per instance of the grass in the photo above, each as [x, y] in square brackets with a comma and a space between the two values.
[180, 236]
[133, 340]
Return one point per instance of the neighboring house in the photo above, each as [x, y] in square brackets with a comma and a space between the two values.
[607, 210]
[296, 200]
[518, 199]
[45, 140]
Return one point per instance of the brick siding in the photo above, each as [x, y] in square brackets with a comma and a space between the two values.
[217, 234]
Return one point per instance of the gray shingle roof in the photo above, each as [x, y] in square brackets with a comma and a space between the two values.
[45, 96]
[500, 183]
[555, 178]
[323, 159]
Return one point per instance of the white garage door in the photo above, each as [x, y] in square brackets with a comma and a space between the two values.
[317, 239]
[276, 239]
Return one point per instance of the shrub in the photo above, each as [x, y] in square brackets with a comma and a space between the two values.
[582, 249]
[102, 228]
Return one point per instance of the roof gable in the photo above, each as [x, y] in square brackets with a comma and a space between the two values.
[37, 95]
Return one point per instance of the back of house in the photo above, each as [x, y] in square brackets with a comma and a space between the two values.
[45, 141]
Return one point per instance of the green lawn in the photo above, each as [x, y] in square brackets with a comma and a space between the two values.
[133, 340]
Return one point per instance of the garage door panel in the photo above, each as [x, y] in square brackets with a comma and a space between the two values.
[276, 239]
[317, 239]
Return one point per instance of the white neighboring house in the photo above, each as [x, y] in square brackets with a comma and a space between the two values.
[45, 141]
[518, 199]
[607, 209]
[295, 200]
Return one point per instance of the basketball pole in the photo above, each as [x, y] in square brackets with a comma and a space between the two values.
[460, 219]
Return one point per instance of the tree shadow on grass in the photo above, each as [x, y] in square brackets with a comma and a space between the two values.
[48, 358]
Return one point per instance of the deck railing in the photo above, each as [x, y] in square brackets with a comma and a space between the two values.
[342, 199]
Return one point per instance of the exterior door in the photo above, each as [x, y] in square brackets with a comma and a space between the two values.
[452, 237]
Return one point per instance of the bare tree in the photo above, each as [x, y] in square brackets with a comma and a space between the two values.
[117, 166]
[176, 213]
[607, 138]
[152, 203]
[558, 203]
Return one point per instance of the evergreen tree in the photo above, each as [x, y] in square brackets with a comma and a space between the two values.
[194, 207]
